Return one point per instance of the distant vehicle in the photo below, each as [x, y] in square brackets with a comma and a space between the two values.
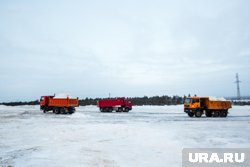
[59, 105]
[211, 107]
[118, 104]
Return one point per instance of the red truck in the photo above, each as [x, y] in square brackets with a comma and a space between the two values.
[59, 105]
[118, 104]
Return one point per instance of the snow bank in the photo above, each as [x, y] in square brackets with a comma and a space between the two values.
[62, 96]
[212, 98]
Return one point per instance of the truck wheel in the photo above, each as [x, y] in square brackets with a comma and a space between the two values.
[190, 114]
[57, 111]
[110, 109]
[105, 109]
[119, 109]
[71, 110]
[208, 113]
[61, 111]
[223, 113]
[44, 109]
[126, 109]
[216, 114]
[198, 114]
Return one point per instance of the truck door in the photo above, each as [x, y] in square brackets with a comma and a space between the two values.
[196, 103]
[42, 100]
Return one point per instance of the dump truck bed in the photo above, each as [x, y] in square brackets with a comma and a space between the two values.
[216, 104]
[111, 102]
[63, 102]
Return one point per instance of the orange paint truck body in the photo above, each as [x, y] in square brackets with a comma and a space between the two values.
[64, 105]
[211, 107]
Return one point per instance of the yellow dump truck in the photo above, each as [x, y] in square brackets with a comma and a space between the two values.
[204, 105]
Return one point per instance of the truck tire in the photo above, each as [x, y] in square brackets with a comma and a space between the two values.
[216, 114]
[57, 111]
[198, 114]
[223, 113]
[119, 109]
[126, 109]
[110, 109]
[45, 109]
[71, 110]
[190, 114]
[62, 111]
[208, 114]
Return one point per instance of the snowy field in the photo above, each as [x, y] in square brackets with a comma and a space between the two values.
[148, 136]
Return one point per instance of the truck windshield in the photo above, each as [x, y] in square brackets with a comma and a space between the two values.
[187, 100]
[195, 100]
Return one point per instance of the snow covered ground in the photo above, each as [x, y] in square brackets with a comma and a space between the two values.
[145, 137]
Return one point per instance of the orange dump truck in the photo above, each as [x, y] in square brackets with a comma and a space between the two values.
[204, 105]
[59, 105]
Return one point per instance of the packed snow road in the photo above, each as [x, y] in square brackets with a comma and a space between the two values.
[145, 137]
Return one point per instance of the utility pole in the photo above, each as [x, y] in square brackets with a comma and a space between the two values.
[238, 86]
[109, 95]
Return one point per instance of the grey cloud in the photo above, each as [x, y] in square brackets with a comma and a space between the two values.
[128, 48]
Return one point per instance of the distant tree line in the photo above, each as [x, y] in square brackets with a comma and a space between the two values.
[138, 101]
[36, 102]
[241, 103]
[155, 100]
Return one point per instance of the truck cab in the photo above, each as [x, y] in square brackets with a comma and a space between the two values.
[128, 103]
[194, 106]
[44, 100]
[191, 103]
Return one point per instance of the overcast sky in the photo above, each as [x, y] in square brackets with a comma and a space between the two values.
[128, 48]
